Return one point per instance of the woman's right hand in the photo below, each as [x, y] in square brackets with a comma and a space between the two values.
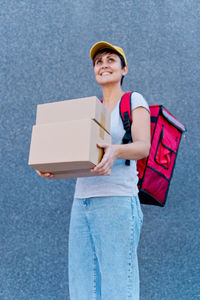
[46, 175]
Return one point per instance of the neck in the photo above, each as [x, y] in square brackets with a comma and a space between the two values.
[111, 95]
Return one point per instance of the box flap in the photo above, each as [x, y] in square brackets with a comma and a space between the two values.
[75, 109]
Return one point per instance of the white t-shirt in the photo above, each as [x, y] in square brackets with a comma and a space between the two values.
[123, 179]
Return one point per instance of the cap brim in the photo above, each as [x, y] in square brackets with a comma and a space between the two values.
[98, 46]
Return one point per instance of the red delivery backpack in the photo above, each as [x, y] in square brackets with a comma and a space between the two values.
[155, 171]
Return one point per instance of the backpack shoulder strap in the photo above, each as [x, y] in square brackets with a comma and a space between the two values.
[125, 105]
[125, 112]
[126, 116]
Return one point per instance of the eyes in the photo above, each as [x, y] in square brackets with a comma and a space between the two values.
[99, 61]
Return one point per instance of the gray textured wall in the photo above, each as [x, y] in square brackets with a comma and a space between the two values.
[44, 57]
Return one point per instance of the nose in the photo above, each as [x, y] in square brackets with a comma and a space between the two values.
[104, 65]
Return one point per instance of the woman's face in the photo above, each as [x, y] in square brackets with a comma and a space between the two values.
[108, 69]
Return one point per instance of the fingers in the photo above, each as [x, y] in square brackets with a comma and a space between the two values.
[103, 172]
[103, 168]
[46, 175]
[105, 165]
[101, 145]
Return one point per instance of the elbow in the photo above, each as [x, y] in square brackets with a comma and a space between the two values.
[146, 150]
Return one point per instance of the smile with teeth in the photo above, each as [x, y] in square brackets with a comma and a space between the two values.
[105, 73]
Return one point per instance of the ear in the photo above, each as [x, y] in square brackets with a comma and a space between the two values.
[125, 70]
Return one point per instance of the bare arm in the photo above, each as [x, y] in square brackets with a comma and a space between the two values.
[138, 149]
[140, 131]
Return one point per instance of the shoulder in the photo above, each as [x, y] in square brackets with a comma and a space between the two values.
[137, 100]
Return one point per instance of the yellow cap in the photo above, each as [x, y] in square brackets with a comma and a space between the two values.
[102, 45]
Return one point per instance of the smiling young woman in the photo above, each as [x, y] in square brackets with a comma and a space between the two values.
[106, 216]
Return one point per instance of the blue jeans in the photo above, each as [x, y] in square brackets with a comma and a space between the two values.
[103, 239]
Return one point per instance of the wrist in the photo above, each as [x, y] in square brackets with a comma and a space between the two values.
[116, 151]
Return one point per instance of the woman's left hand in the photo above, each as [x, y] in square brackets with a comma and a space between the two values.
[105, 165]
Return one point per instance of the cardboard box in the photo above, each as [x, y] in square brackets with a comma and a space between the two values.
[76, 109]
[67, 149]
